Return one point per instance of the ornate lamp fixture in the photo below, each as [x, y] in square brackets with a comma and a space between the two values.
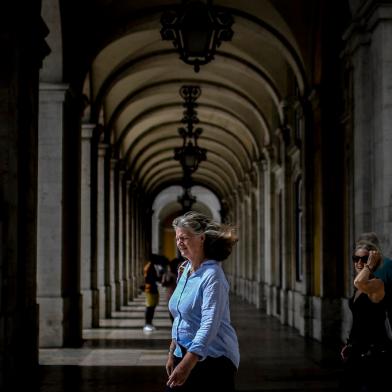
[190, 154]
[197, 29]
[186, 200]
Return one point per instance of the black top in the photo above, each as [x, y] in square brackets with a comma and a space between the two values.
[368, 326]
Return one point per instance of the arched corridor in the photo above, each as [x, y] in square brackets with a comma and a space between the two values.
[119, 357]
[107, 135]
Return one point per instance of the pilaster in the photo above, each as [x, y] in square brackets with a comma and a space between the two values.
[99, 278]
[85, 223]
[50, 217]
[110, 262]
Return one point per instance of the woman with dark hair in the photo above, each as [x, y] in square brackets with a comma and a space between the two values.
[367, 354]
[204, 352]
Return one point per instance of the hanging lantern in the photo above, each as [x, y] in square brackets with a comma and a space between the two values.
[190, 154]
[197, 29]
[186, 200]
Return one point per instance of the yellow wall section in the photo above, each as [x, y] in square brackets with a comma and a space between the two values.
[169, 243]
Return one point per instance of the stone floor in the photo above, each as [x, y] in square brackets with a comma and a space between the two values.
[119, 357]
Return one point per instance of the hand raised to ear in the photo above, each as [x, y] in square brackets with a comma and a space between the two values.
[374, 259]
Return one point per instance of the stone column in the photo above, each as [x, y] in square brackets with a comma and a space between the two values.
[247, 202]
[368, 44]
[260, 234]
[110, 262]
[363, 134]
[368, 47]
[156, 240]
[138, 236]
[58, 223]
[253, 236]
[238, 253]
[241, 259]
[132, 243]
[247, 232]
[228, 265]
[85, 223]
[382, 111]
[50, 219]
[126, 242]
[100, 234]
[119, 235]
[268, 224]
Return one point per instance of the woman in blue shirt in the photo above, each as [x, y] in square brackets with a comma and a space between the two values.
[204, 351]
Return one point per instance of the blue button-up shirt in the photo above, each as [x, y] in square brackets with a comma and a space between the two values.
[200, 307]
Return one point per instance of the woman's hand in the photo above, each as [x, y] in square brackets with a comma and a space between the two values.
[181, 372]
[373, 260]
[344, 353]
[366, 282]
[170, 364]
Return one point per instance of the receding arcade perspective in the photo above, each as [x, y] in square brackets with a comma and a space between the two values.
[117, 117]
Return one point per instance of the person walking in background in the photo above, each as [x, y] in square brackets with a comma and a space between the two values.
[368, 353]
[151, 277]
[169, 280]
[204, 351]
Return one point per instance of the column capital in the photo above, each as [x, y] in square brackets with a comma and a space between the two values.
[87, 131]
[259, 166]
[254, 175]
[247, 183]
[121, 173]
[113, 163]
[102, 149]
[268, 154]
[52, 92]
[240, 192]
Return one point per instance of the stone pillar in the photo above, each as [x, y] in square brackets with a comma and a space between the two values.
[247, 232]
[260, 234]
[382, 111]
[238, 253]
[138, 236]
[58, 220]
[156, 232]
[241, 259]
[228, 265]
[363, 133]
[50, 220]
[119, 237]
[368, 48]
[268, 224]
[85, 224]
[247, 246]
[110, 262]
[253, 236]
[100, 304]
[126, 241]
[132, 243]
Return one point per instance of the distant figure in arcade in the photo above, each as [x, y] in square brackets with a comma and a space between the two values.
[169, 279]
[151, 277]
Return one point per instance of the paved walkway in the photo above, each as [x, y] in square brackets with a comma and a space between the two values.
[119, 357]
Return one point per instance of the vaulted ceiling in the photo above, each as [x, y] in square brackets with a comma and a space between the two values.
[132, 78]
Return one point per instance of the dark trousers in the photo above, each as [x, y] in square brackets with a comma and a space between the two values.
[150, 310]
[362, 373]
[209, 375]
